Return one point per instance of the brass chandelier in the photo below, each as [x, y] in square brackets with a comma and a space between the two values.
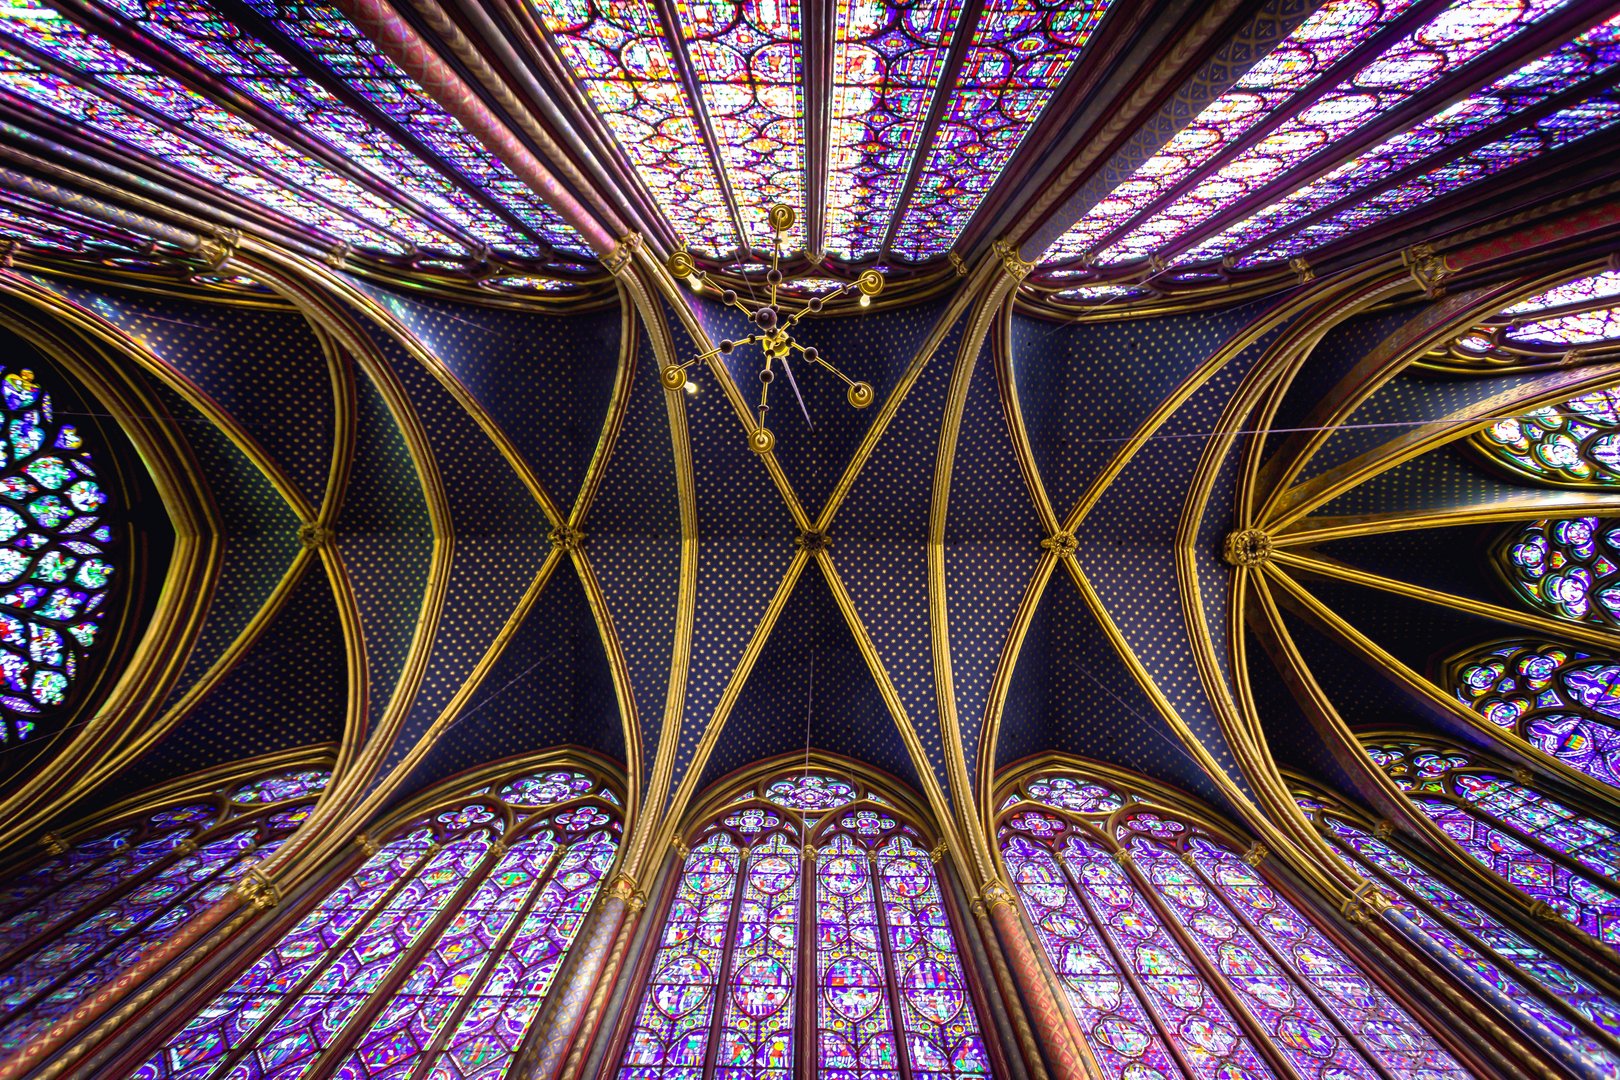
[774, 336]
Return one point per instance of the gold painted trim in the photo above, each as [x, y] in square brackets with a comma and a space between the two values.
[1309, 531]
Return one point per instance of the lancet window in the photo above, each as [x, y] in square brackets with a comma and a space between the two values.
[1556, 855]
[808, 925]
[76, 919]
[1560, 700]
[1179, 956]
[433, 957]
[1555, 993]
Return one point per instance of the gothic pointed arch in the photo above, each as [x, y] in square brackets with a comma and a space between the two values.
[808, 930]
[1179, 951]
[430, 950]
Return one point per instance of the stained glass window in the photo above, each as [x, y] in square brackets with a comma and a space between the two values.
[73, 921]
[55, 568]
[1282, 117]
[887, 63]
[1552, 992]
[891, 997]
[1577, 320]
[1575, 443]
[1179, 958]
[98, 87]
[1567, 567]
[1564, 702]
[435, 954]
[1562, 858]
[1020, 53]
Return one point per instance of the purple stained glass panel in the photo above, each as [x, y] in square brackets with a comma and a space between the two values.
[232, 1020]
[756, 1024]
[39, 989]
[811, 792]
[283, 786]
[410, 1023]
[1502, 956]
[1123, 1039]
[1564, 702]
[1569, 567]
[322, 1009]
[887, 63]
[855, 1027]
[499, 1014]
[1021, 51]
[1590, 54]
[334, 43]
[941, 1032]
[1575, 443]
[746, 59]
[1311, 1041]
[1457, 34]
[1401, 1044]
[1211, 1042]
[617, 51]
[1326, 37]
[158, 117]
[671, 1036]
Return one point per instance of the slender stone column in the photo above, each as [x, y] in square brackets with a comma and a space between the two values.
[578, 1003]
[1067, 1057]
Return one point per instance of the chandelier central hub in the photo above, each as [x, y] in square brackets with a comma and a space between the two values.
[774, 335]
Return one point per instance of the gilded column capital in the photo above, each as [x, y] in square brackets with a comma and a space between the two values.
[1247, 547]
[53, 844]
[957, 263]
[1384, 829]
[367, 845]
[1427, 268]
[938, 853]
[1123, 857]
[337, 256]
[1365, 903]
[257, 890]
[996, 893]
[1017, 268]
[1256, 854]
[623, 251]
[624, 889]
[1302, 268]
[216, 250]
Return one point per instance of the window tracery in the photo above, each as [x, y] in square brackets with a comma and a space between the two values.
[75, 920]
[806, 877]
[1576, 320]
[1554, 854]
[1220, 191]
[1562, 701]
[1554, 993]
[1567, 567]
[434, 955]
[1179, 956]
[55, 569]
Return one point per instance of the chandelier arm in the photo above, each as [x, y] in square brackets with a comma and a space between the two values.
[824, 362]
[825, 300]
